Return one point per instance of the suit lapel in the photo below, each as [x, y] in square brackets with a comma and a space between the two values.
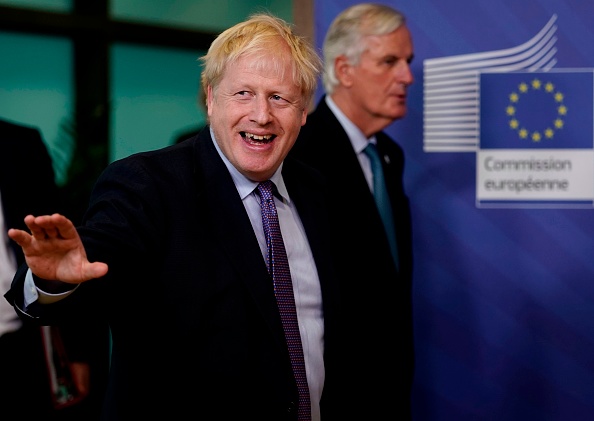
[233, 231]
[336, 147]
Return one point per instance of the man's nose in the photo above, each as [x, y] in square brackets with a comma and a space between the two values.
[261, 112]
[404, 74]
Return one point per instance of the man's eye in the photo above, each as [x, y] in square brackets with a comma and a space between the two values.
[276, 97]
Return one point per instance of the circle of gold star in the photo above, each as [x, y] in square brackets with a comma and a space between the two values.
[549, 130]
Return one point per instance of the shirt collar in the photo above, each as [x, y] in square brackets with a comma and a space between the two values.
[356, 136]
[244, 185]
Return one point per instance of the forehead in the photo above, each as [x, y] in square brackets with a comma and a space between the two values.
[397, 43]
[266, 69]
[275, 61]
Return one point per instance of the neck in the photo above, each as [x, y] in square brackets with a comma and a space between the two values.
[366, 121]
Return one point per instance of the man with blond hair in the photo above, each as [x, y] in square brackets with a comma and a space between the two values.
[176, 251]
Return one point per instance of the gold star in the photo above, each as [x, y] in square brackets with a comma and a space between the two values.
[536, 84]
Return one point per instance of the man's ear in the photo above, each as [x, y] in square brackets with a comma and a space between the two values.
[343, 70]
[304, 116]
[209, 99]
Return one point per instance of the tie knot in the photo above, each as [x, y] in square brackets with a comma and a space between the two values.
[265, 189]
[371, 151]
[374, 159]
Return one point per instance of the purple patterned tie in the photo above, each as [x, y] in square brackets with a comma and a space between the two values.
[278, 267]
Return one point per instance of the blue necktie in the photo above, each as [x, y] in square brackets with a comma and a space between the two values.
[382, 200]
[278, 267]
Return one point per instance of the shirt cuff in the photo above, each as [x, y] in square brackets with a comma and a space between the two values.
[32, 292]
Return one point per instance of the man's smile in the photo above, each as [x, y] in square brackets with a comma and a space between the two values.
[257, 139]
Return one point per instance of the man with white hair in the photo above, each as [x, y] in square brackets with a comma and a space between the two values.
[367, 55]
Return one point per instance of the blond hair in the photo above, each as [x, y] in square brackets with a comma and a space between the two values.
[260, 35]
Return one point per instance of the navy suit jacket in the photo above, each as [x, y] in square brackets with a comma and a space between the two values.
[196, 330]
[376, 298]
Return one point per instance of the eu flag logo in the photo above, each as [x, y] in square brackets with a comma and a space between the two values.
[537, 110]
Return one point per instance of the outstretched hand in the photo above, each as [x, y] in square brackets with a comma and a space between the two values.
[54, 251]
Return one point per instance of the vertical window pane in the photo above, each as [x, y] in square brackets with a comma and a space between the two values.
[36, 89]
[154, 97]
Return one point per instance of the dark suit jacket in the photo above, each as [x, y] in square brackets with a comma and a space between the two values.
[196, 330]
[376, 299]
[31, 190]
[26, 177]
[27, 186]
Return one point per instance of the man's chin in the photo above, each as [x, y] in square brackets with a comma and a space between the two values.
[396, 115]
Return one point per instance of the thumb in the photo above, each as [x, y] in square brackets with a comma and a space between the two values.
[95, 270]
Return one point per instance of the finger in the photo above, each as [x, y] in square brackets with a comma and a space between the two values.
[49, 226]
[64, 226]
[95, 270]
[51, 232]
[37, 225]
[46, 221]
[22, 238]
[29, 219]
